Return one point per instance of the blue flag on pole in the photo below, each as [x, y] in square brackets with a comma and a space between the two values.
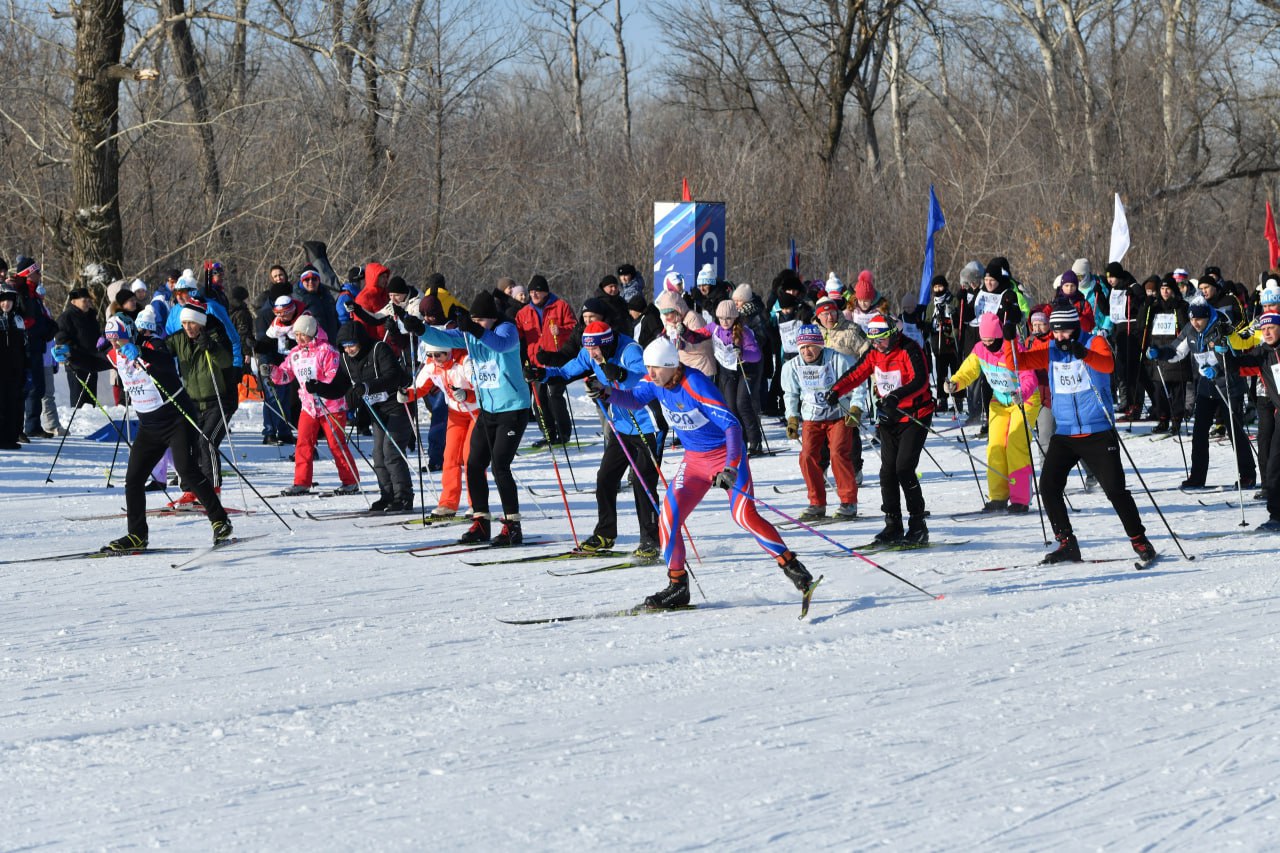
[793, 257]
[936, 223]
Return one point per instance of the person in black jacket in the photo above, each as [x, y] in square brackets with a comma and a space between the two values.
[150, 377]
[318, 300]
[13, 368]
[369, 376]
[78, 330]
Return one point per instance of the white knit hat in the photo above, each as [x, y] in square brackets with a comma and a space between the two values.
[661, 353]
[305, 325]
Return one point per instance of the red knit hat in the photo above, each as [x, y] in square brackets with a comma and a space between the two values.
[865, 288]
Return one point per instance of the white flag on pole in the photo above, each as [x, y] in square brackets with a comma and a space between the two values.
[1119, 233]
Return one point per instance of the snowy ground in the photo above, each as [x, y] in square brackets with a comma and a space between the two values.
[306, 692]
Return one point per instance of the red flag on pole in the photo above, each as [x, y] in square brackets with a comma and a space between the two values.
[1273, 241]
[684, 191]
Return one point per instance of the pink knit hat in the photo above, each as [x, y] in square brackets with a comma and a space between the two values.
[989, 327]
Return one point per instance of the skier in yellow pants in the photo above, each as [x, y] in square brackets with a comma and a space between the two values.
[1008, 442]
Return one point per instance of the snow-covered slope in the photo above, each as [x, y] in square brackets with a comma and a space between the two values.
[304, 691]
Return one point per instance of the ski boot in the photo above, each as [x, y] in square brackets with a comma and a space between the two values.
[478, 532]
[892, 529]
[795, 571]
[1068, 550]
[126, 543]
[675, 595]
[443, 512]
[1017, 509]
[221, 532]
[596, 542]
[184, 501]
[510, 533]
[346, 489]
[846, 511]
[295, 490]
[1271, 525]
[917, 532]
[999, 505]
[813, 513]
[400, 505]
[381, 503]
[646, 553]
[1162, 426]
[1143, 548]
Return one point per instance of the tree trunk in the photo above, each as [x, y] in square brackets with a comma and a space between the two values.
[184, 52]
[626, 78]
[342, 55]
[575, 60]
[407, 47]
[97, 236]
[239, 49]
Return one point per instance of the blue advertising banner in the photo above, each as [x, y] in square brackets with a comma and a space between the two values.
[687, 235]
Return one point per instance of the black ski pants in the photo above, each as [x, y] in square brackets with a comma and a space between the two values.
[900, 448]
[149, 445]
[1100, 452]
[555, 411]
[392, 433]
[613, 464]
[1207, 406]
[1266, 432]
[494, 441]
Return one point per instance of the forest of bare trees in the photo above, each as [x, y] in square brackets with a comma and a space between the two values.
[137, 135]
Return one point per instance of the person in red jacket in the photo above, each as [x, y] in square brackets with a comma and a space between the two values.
[898, 369]
[546, 325]
[372, 297]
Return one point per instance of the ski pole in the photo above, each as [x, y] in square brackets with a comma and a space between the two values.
[336, 433]
[417, 430]
[1235, 448]
[1026, 426]
[537, 408]
[844, 548]
[98, 405]
[226, 427]
[1111, 420]
[970, 455]
[661, 477]
[955, 416]
[755, 407]
[48, 478]
[388, 434]
[475, 420]
[1178, 433]
[224, 456]
[115, 453]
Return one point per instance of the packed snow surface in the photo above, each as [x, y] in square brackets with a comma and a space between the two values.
[304, 691]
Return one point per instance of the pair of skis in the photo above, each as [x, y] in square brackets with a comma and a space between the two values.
[642, 610]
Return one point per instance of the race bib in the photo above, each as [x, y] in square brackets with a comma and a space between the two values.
[485, 374]
[815, 381]
[1001, 380]
[380, 397]
[304, 369]
[685, 421]
[1068, 377]
[788, 331]
[726, 354]
[1165, 324]
[1203, 359]
[1275, 377]
[140, 387]
[1119, 307]
[887, 381]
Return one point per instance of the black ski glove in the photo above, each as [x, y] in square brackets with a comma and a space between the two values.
[1076, 349]
[534, 373]
[614, 372]
[725, 479]
[596, 389]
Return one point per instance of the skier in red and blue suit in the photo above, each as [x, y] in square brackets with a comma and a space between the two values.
[714, 455]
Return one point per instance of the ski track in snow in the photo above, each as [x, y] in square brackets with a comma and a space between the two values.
[305, 692]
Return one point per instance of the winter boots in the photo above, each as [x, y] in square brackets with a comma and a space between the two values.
[478, 532]
[596, 542]
[892, 529]
[1068, 550]
[510, 533]
[1143, 548]
[795, 571]
[917, 532]
[675, 595]
[813, 513]
[126, 543]
[221, 532]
